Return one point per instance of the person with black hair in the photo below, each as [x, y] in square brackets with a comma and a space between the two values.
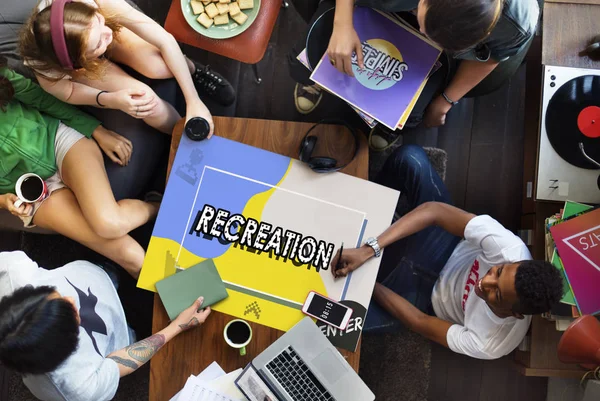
[461, 280]
[481, 34]
[65, 332]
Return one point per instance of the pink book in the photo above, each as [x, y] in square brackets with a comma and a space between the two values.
[578, 244]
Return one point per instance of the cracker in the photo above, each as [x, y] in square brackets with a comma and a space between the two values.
[234, 9]
[222, 19]
[197, 7]
[205, 20]
[211, 10]
[206, 2]
[223, 8]
[240, 18]
[224, 1]
[246, 4]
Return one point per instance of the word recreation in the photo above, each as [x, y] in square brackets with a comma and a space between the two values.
[262, 237]
[380, 65]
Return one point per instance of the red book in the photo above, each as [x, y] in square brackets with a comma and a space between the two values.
[578, 244]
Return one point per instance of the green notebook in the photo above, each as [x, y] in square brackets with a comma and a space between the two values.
[180, 290]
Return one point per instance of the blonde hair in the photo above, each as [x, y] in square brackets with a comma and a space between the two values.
[36, 47]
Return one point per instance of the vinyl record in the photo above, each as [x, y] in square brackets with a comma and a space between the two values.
[573, 118]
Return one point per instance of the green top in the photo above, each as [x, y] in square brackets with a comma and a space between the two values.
[28, 127]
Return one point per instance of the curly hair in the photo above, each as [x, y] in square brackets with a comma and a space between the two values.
[539, 287]
[37, 334]
[6, 89]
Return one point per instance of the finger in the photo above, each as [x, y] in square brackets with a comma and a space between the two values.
[205, 312]
[146, 107]
[114, 158]
[198, 303]
[347, 65]
[212, 129]
[143, 114]
[27, 210]
[339, 63]
[359, 55]
[334, 262]
[126, 153]
[144, 101]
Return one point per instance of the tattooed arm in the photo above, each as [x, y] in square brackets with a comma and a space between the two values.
[130, 358]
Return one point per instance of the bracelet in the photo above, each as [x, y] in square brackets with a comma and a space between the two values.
[452, 102]
[98, 97]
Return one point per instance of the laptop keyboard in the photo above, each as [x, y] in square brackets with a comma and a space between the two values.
[296, 378]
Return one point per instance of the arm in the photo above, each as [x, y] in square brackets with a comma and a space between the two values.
[469, 74]
[450, 218]
[134, 102]
[430, 327]
[344, 41]
[149, 30]
[32, 95]
[132, 357]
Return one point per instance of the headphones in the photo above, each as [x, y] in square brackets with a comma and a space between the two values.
[324, 164]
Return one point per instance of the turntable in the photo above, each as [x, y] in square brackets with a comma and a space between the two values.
[569, 151]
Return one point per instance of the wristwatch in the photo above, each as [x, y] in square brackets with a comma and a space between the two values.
[372, 242]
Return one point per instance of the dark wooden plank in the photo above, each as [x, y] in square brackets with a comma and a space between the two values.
[463, 381]
[496, 161]
[438, 376]
[500, 382]
[455, 138]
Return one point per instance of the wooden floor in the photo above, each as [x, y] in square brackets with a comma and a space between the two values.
[484, 140]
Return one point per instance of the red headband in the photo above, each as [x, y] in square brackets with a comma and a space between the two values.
[57, 31]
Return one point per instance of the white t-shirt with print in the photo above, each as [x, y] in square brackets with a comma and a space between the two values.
[477, 331]
[86, 374]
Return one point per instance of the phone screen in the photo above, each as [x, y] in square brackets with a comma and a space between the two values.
[325, 309]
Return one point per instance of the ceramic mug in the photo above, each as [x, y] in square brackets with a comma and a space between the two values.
[238, 334]
[30, 188]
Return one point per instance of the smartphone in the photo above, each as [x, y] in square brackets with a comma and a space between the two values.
[327, 310]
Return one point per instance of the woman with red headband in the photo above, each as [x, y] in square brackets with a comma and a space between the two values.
[73, 48]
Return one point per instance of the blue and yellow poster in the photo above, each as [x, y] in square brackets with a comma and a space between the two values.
[271, 226]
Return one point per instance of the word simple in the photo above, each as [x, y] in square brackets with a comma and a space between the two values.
[262, 236]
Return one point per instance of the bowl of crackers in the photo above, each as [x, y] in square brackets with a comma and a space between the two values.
[220, 19]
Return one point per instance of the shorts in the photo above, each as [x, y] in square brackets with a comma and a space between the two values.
[64, 140]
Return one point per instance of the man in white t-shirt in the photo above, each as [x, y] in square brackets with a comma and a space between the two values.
[475, 275]
[64, 330]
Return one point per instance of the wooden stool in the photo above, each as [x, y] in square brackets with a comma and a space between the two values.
[248, 47]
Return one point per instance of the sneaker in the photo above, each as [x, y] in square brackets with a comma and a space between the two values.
[213, 84]
[307, 98]
[382, 138]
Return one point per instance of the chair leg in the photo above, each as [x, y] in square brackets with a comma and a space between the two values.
[257, 77]
[285, 4]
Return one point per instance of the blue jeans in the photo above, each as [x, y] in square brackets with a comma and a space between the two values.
[411, 266]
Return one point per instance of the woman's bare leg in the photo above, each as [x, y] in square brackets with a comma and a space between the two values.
[142, 56]
[61, 213]
[114, 79]
[84, 173]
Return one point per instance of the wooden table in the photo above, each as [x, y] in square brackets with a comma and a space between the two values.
[192, 351]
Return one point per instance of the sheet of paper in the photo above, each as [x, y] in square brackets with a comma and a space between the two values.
[198, 390]
[226, 385]
[212, 372]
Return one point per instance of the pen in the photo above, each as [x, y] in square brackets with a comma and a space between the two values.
[339, 262]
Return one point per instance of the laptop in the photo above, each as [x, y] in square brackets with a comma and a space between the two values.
[302, 365]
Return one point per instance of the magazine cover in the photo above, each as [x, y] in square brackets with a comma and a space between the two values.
[397, 61]
[577, 244]
[272, 227]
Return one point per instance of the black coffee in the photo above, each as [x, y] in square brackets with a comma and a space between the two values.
[238, 332]
[32, 188]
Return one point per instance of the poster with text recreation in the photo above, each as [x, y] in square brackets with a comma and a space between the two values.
[272, 226]
[396, 63]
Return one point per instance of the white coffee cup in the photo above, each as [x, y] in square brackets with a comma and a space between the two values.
[230, 336]
[30, 188]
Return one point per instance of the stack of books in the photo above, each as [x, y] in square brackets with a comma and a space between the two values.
[573, 247]
[398, 60]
